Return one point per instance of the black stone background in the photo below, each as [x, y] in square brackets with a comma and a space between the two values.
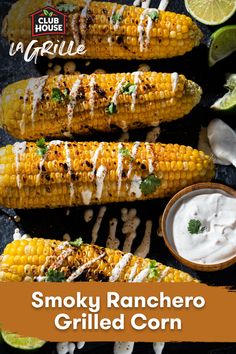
[54, 223]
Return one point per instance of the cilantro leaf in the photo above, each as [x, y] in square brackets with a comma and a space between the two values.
[50, 14]
[77, 243]
[128, 88]
[66, 7]
[150, 184]
[153, 15]
[153, 270]
[116, 18]
[111, 108]
[125, 153]
[55, 276]
[58, 95]
[42, 147]
[195, 227]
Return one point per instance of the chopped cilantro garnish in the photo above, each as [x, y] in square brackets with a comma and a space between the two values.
[55, 276]
[153, 15]
[125, 153]
[66, 7]
[128, 88]
[153, 270]
[58, 95]
[116, 18]
[77, 243]
[195, 227]
[150, 184]
[111, 108]
[42, 147]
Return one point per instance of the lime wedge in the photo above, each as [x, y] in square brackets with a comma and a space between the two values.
[211, 12]
[223, 43]
[24, 343]
[227, 103]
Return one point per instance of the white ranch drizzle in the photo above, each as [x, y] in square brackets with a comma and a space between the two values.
[100, 176]
[146, 4]
[123, 347]
[163, 274]
[163, 5]
[133, 155]
[136, 75]
[83, 20]
[120, 12]
[72, 103]
[116, 272]
[174, 80]
[158, 347]
[133, 272]
[141, 276]
[92, 83]
[80, 345]
[80, 270]
[97, 224]
[119, 167]
[60, 259]
[65, 347]
[144, 247]
[74, 23]
[88, 215]
[109, 39]
[131, 223]
[112, 241]
[150, 159]
[136, 2]
[117, 91]
[35, 86]
[147, 30]
[135, 186]
[18, 149]
[68, 162]
[86, 196]
[152, 135]
[95, 158]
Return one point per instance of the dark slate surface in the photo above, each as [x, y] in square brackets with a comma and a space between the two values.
[54, 223]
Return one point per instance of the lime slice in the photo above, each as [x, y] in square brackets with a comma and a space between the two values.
[24, 343]
[211, 12]
[223, 43]
[227, 103]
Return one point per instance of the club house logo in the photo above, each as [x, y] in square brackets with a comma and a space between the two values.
[48, 21]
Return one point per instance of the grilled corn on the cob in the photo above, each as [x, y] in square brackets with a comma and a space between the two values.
[60, 105]
[51, 260]
[109, 30]
[60, 174]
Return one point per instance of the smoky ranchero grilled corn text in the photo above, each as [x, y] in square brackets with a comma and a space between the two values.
[108, 30]
[67, 104]
[57, 174]
[40, 259]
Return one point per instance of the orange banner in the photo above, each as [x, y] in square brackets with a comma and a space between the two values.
[121, 311]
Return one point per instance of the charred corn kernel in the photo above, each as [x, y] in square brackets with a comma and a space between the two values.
[104, 35]
[103, 173]
[61, 105]
[88, 262]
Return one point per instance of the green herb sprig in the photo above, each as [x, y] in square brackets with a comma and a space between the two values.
[153, 270]
[55, 276]
[58, 95]
[42, 147]
[195, 227]
[150, 184]
[77, 243]
[111, 108]
[125, 153]
[66, 7]
[128, 88]
[116, 18]
[47, 13]
[154, 15]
